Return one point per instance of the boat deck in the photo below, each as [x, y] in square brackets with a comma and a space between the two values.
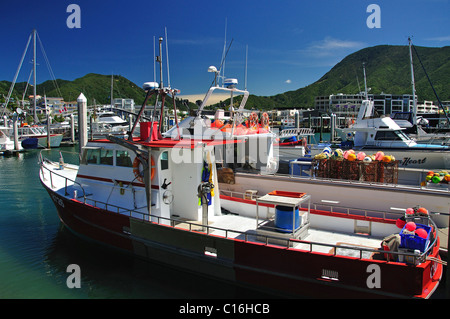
[244, 228]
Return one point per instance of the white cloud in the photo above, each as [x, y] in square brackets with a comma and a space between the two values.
[330, 46]
[288, 81]
[440, 39]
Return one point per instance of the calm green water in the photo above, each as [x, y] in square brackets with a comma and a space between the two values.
[35, 249]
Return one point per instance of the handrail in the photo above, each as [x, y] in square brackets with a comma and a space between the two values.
[344, 208]
[146, 217]
[314, 178]
[41, 162]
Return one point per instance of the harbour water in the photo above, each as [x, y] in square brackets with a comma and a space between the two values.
[35, 250]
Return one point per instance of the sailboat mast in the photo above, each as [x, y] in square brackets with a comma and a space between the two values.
[159, 59]
[365, 82]
[34, 76]
[112, 90]
[413, 84]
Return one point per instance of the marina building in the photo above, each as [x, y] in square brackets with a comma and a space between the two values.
[125, 104]
[347, 105]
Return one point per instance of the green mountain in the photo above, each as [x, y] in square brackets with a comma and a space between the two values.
[387, 70]
[94, 86]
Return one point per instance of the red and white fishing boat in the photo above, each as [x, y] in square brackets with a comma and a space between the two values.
[158, 196]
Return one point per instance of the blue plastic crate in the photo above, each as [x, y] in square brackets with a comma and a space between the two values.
[414, 242]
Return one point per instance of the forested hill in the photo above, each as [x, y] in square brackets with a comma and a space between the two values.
[96, 87]
[387, 70]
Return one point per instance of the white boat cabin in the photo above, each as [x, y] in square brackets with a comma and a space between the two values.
[176, 170]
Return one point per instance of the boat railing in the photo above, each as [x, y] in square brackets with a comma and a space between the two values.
[66, 179]
[302, 131]
[332, 207]
[252, 236]
[247, 236]
[312, 177]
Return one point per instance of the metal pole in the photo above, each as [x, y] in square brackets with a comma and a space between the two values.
[48, 122]
[413, 86]
[34, 75]
[321, 127]
[72, 128]
[15, 132]
[159, 59]
[82, 121]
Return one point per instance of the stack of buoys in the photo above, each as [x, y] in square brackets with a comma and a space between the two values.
[338, 154]
[411, 227]
[326, 153]
[438, 177]
[351, 155]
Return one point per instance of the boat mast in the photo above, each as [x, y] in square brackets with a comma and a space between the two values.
[161, 89]
[413, 85]
[34, 75]
[159, 60]
[365, 81]
[112, 88]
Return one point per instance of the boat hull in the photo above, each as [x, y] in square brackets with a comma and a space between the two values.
[41, 141]
[281, 270]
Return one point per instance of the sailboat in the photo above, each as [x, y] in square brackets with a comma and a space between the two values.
[34, 136]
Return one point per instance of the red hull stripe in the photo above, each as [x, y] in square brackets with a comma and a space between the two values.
[246, 201]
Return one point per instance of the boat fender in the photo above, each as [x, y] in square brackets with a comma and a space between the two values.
[265, 121]
[304, 142]
[253, 120]
[138, 173]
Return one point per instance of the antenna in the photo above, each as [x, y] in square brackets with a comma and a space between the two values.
[167, 58]
[112, 89]
[223, 52]
[365, 82]
[413, 83]
[246, 58]
[154, 60]
[159, 59]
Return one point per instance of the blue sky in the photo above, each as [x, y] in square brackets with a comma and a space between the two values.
[291, 43]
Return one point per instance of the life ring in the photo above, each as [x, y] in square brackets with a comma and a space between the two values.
[265, 120]
[253, 120]
[138, 173]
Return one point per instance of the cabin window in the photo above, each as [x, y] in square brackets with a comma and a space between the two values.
[386, 136]
[106, 156]
[164, 160]
[92, 156]
[123, 159]
[391, 136]
[402, 135]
